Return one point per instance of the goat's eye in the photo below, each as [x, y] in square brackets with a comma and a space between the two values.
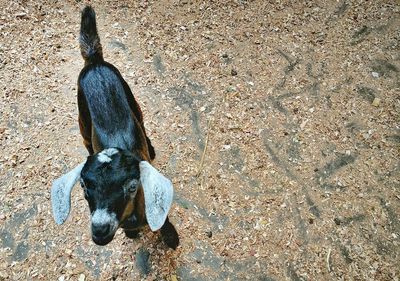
[82, 184]
[132, 186]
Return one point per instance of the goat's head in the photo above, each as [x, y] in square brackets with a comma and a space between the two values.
[110, 180]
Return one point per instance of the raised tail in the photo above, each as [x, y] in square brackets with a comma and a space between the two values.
[89, 40]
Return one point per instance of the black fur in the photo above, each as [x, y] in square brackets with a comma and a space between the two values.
[102, 82]
[102, 85]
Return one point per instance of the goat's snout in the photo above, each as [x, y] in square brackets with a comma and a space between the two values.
[102, 234]
[104, 225]
[101, 230]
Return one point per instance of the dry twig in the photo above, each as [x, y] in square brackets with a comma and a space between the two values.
[199, 170]
[327, 260]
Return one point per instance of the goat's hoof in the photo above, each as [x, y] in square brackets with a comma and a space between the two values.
[132, 233]
[170, 236]
[172, 241]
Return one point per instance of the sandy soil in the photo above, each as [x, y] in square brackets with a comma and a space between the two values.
[293, 106]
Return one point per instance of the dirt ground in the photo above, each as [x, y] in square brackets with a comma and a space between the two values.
[277, 121]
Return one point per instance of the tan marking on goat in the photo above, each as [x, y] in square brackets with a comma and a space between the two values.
[128, 210]
[136, 207]
[139, 203]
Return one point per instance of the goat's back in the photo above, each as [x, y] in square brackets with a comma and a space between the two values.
[111, 117]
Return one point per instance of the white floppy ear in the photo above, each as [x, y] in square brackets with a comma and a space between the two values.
[158, 194]
[61, 193]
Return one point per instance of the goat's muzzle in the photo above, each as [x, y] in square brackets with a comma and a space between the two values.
[102, 234]
[104, 226]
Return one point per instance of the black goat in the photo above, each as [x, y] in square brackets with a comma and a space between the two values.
[121, 186]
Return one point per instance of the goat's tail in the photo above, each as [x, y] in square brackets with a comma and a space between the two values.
[89, 40]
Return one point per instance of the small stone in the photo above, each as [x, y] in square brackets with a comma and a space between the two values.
[376, 102]
[375, 74]
[82, 277]
[226, 147]
[173, 278]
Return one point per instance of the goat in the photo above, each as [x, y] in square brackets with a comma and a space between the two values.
[120, 185]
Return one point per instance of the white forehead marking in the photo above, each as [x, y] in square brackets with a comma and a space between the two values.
[110, 151]
[105, 155]
[103, 158]
[103, 217]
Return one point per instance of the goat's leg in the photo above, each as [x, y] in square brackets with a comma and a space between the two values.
[131, 233]
[169, 234]
[151, 149]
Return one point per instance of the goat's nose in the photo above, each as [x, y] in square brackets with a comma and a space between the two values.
[100, 230]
